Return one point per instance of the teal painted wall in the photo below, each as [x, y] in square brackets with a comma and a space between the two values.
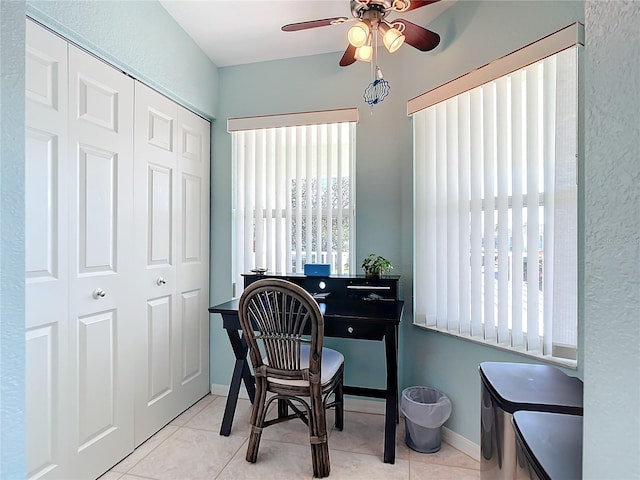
[140, 38]
[12, 411]
[612, 290]
[473, 34]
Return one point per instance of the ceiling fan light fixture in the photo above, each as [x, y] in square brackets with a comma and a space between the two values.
[401, 5]
[364, 53]
[358, 34]
[391, 37]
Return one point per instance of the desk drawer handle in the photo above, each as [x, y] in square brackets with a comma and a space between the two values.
[350, 329]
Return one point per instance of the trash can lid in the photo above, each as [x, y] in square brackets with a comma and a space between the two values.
[523, 386]
[552, 442]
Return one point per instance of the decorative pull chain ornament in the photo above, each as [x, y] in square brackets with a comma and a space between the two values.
[377, 90]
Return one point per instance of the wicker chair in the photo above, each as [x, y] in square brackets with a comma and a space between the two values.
[299, 373]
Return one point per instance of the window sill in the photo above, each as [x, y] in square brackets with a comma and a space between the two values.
[561, 362]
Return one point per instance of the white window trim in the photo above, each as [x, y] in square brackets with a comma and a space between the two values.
[293, 119]
[532, 53]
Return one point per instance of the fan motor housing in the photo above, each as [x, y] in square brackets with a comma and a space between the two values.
[360, 7]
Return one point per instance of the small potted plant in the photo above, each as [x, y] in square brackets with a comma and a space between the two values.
[375, 265]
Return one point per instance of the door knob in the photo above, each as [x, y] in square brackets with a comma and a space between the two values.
[99, 293]
[161, 281]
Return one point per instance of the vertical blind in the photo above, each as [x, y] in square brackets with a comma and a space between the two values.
[293, 195]
[495, 210]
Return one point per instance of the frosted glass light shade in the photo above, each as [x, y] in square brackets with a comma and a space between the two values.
[358, 34]
[364, 53]
[393, 39]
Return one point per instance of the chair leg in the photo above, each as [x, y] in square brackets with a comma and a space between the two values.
[318, 438]
[258, 413]
[339, 399]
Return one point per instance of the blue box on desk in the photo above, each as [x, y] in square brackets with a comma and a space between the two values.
[317, 269]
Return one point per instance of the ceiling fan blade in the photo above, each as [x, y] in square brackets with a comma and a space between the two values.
[294, 27]
[417, 4]
[349, 56]
[419, 37]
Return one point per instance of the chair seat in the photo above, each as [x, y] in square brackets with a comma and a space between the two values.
[332, 360]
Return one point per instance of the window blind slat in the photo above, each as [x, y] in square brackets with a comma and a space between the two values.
[269, 203]
[288, 217]
[259, 199]
[532, 199]
[300, 151]
[489, 151]
[453, 223]
[502, 207]
[431, 268]
[476, 173]
[339, 201]
[441, 215]
[549, 148]
[249, 203]
[517, 225]
[419, 232]
[565, 284]
[308, 181]
[464, 205]
[280, 202]
[328, 200]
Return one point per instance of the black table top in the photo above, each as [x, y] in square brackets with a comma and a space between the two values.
[522, 386]
[552, 442]
[361, 310]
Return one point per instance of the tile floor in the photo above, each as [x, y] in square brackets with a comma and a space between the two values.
[191, 448]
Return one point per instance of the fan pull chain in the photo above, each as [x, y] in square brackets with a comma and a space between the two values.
[379, 88]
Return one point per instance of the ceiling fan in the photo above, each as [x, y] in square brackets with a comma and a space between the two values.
[370, 17]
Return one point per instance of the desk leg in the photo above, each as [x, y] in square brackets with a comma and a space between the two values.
[391, 412]
[240, 373]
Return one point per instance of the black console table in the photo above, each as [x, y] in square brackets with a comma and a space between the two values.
[354, 307]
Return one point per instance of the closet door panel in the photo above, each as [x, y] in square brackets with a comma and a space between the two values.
[46, 253]
[193, 257]
[156, 401]
[101, 278]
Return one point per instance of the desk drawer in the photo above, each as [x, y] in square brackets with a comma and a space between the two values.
[353, 329]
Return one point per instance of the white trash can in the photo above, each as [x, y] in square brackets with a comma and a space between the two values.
[425, 410]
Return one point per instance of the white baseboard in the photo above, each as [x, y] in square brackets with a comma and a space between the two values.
[364, 405]
[461, 443]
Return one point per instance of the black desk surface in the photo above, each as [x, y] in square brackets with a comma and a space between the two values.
[552, 443]
[358, 319]
[382, 312]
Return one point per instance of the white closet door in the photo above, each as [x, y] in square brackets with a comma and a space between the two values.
[101, 260]
[46, 253]
[158, 351]
[193, 254]
[171, 214]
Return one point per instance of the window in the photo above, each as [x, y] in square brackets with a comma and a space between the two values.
[294, 191]
[495, 202]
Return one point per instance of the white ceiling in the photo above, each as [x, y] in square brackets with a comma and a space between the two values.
[235, 32]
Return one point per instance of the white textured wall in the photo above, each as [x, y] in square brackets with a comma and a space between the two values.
[612, 223]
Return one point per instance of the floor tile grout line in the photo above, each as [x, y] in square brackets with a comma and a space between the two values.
[232, 457]
[150, 451]
[178, 427]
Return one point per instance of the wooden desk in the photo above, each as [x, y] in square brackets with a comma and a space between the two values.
[357, 319]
